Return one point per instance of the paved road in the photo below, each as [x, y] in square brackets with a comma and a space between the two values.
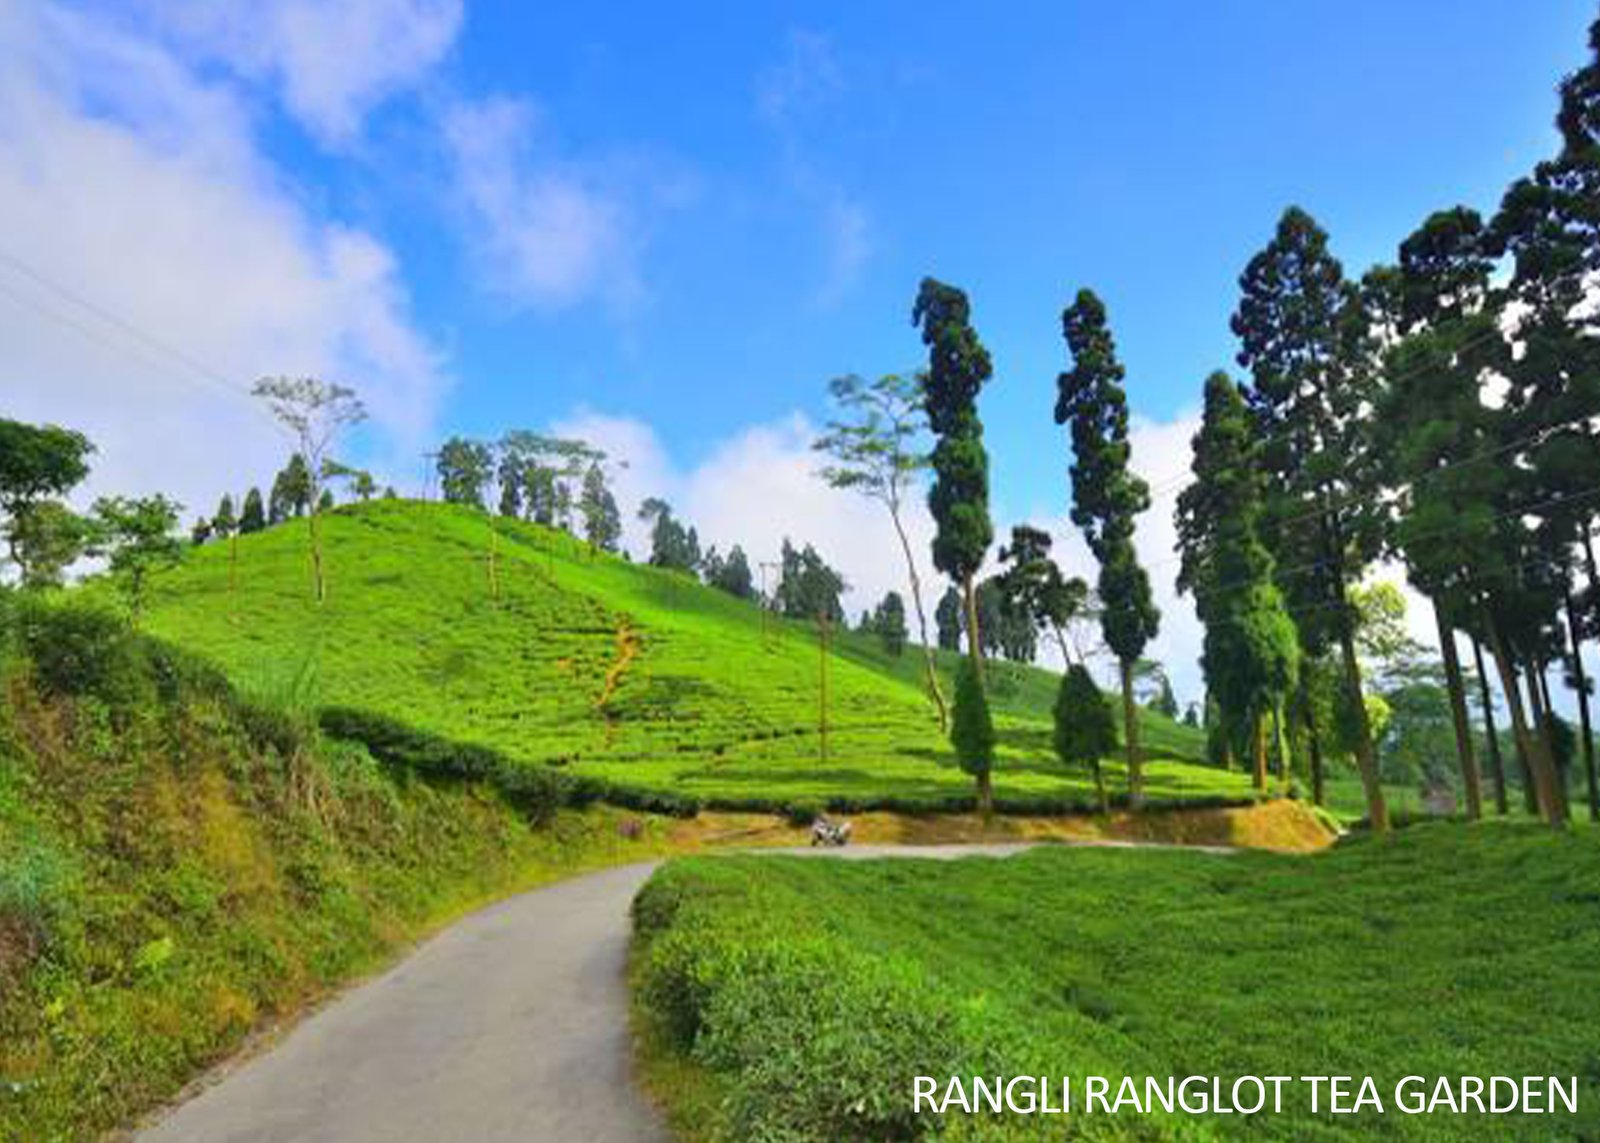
[509, 1026]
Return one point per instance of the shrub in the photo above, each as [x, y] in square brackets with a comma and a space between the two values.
[82, 650]
[802, 813]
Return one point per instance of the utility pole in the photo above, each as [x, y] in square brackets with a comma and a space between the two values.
[766, 601]
[822, 689]
[429, 467]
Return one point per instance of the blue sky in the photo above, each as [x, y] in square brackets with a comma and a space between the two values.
[667, 226]
[823, 159]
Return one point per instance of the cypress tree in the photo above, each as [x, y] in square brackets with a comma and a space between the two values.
[1085, 731]
[972, 730]
[958, 367]
[1251, 651]
[1106, 499]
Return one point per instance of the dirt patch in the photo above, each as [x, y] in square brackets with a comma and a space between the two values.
[1281, 826]
[628, 644]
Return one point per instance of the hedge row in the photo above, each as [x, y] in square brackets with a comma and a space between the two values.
[803, 811]
[536, 790]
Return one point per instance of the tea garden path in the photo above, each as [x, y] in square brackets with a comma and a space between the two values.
[512, 1025]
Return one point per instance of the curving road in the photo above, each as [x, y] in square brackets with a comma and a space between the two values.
[512, 1025]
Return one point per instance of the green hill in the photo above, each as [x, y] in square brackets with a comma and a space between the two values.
[627, 674]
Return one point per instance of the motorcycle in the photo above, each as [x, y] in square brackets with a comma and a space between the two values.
[826, 833]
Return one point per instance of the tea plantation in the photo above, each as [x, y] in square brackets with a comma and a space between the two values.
[784, 998]
[628, 675]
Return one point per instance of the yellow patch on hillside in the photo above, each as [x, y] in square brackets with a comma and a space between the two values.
[1281, 826]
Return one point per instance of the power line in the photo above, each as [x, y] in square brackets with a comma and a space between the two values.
[140, 342]
[1177, 484]
[1432, 533]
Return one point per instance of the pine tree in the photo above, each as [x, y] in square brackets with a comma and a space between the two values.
[252, 517]
[889, 623]
[1106, 500]
[1251, 650]
[1305, 337]
[222, 522]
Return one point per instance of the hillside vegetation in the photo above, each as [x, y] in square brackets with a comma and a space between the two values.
[625, 674]
[179, 865]
[793, 999]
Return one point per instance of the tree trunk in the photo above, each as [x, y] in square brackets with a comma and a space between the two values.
[1258, 753]
[1458, 714]
[494, 570]
[1285, 768]
[1547, 712]
[1541, 778]
[1497, 768]
[1313, 747]
[1061, 641]
[1366, 761]
[316, 554]
[1130, 726]
[1586, 742]
[922, 624]
[1100, 787]
[975, 649]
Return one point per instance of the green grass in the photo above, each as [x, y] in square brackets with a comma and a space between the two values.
[704, 705]
[178, 866]
[806, 994]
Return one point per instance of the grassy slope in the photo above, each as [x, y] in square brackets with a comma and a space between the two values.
[802, 990]
[175, 870]
[701, 704]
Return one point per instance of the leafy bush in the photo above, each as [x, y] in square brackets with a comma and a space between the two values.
[815, 1035]
[82, 651]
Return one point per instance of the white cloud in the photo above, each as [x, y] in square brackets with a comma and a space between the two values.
[547, 231]
[332, 62]
[754, 489]
[154, 248]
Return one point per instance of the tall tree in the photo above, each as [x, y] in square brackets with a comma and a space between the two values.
[733, 575]
[1305, 338]
[46, 538]
[1033, 586]
[317, 412]
[602, 522]
[1251, 651]
[465, 469]
[1106, 500]
[958, 368]
[808, 588]
[672, 545]
[1431, 420]
[37, 464]
[137, 537]
[252, 517]
[875, 450]
[889, 623]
